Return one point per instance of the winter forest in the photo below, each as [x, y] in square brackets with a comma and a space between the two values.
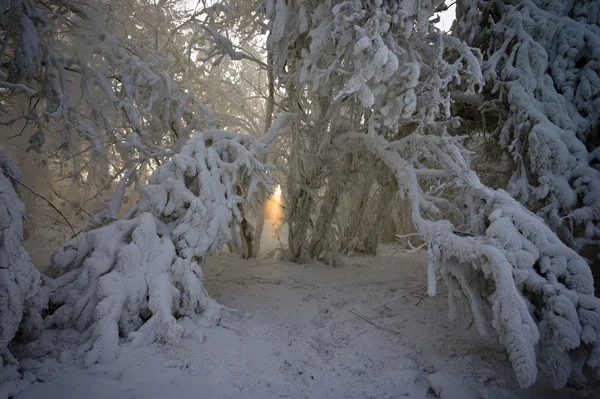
[299, 198]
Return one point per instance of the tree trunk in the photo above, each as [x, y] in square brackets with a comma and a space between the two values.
[321, 234]
[246, 233]
[262, 195]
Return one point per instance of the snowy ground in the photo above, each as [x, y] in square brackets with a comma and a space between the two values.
[299, 334]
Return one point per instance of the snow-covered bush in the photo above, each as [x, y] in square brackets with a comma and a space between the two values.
[20, 284]
[542, 65]
[141, 277]
[506, 271]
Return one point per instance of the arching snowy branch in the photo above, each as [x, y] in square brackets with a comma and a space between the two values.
[113, 104]
[510, 274]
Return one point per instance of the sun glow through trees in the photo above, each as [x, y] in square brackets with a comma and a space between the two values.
[274, 205]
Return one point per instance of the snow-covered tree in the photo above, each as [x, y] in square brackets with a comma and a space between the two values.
[377, 66]
[118, 84]
[112, 92]
[542, 70]
[376, 77]
[20, 284]
[373, 83]
[100, 109]
[141, 277]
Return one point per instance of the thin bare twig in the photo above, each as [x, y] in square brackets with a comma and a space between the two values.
[414, 292]
[71, 202]
[420, 299]
[361, 316]
[40, 196]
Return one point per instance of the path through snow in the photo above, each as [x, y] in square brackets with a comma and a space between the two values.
[299, 334]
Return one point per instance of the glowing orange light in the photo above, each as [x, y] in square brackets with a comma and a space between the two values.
[273, 207]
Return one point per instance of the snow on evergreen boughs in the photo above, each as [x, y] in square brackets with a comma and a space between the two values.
[543, 60]
[21, 18]
[197, 190]
[141, 278]
[510, 274]
[386, 54]
[150, 102]
[20, 293]
[368, 53]
[554, 283]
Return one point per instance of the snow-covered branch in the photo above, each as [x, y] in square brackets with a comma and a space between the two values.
[88, 82]
[540, 64]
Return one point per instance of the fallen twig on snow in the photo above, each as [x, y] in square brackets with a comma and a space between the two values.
[361, 316]
[415, 291]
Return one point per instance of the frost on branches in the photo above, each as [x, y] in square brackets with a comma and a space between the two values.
[66, 68]
[141, 277]
[542, 61]
[20, 292]
[384, 55]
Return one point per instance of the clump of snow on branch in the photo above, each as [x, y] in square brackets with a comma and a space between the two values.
[141, 278]
[20, 284]
[542, 62]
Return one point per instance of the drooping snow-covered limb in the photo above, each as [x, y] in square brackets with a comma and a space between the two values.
[141, 278]
[20, 293]
[117, 277]
[510, 274]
